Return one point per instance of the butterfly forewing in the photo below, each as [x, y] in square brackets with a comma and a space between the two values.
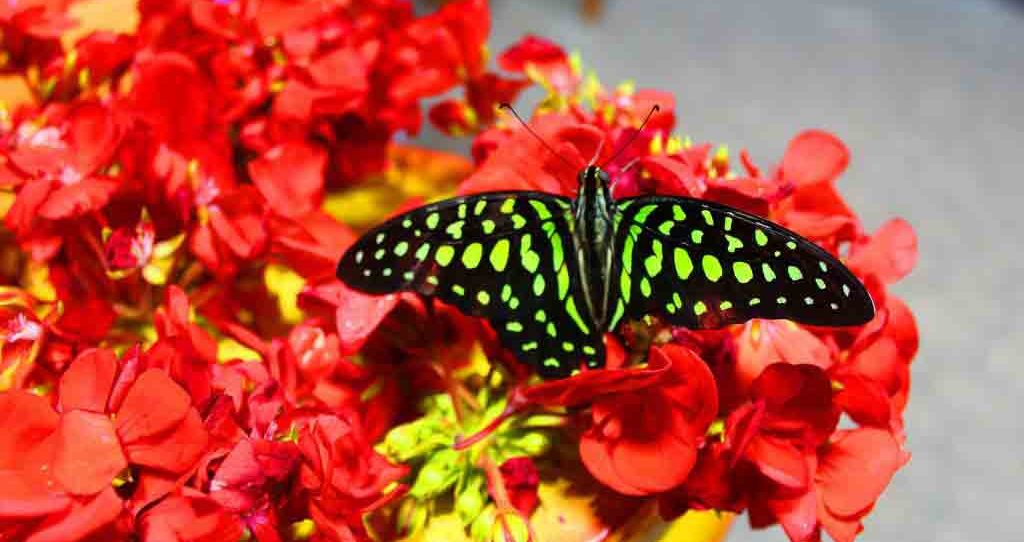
[702, 265]
[504, 256]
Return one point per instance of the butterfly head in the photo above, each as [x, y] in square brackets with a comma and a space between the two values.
[593, 177]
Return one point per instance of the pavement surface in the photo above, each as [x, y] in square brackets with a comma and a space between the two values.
[929, 95]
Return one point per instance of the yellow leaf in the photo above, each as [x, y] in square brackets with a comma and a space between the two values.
[286, 285]
[414, 172]
[155, 273]
[229, 349]
[36, 278]
[166, 248]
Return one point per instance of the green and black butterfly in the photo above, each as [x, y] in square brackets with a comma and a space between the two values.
[553, 274]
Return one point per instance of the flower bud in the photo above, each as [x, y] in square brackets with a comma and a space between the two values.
[437, 475]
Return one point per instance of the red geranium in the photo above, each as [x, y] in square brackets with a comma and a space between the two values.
[180, 363]
[639, 417]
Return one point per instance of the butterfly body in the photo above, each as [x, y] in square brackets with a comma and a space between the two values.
[593, 239]
[553, 274]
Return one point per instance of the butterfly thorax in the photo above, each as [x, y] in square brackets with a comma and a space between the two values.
[593, 235]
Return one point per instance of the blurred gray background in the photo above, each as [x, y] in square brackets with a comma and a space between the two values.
[929, 96]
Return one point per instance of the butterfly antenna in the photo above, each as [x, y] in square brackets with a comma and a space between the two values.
[508, 106]
[626, 145]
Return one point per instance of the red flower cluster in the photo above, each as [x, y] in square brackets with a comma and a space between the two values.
[178, 361]
[777, 389]
[163, 207]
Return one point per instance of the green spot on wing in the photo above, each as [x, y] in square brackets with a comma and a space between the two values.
[421, 253]
[678, 214]
[652, 264]
[643, 213]
[708, 219]
[541, 209]
[538, 285]
[444, 255]
[734, 243]
[742, 271]
[760, 238]
[455, 229]
[432, 220]
[712, 267]
[570, 307]
[684, 265]
[794, 273]
[471, 256]
[499, 254]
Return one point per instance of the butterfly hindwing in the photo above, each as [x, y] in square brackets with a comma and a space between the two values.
[504, 256]
[702, 265]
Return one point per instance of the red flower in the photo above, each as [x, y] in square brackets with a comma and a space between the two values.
[889, 254]
[639, 417]
[761, 343]
[251, 478]
[59, 169]
[343, 476]
[291, 178]
[113, 434]
[189, 517]
[813, 161]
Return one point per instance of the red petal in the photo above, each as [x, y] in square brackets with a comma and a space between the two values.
[174, 451]
[22, 216]
[358, 315]
[281, 16]
[94, 136]
[84, 518]
[891, 253]
[866, 401]
[27, 420]
[764, 342]
[691, 387]
[290, 177]
[23, 496]
[797, 516]
[858, 465]
[78, 199]
[344, 69]
[637, 466]
[88, 453]
[87, 383]
[588, 385]
[154, 403]
[779, 460]
[190, 518]
[88, 320]
[523, 163]
[531, 49]
[674, 176]
[814, 156]
[178, 117]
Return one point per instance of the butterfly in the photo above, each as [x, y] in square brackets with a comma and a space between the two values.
[553, 274]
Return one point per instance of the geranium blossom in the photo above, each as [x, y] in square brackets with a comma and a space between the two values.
[179, 362]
